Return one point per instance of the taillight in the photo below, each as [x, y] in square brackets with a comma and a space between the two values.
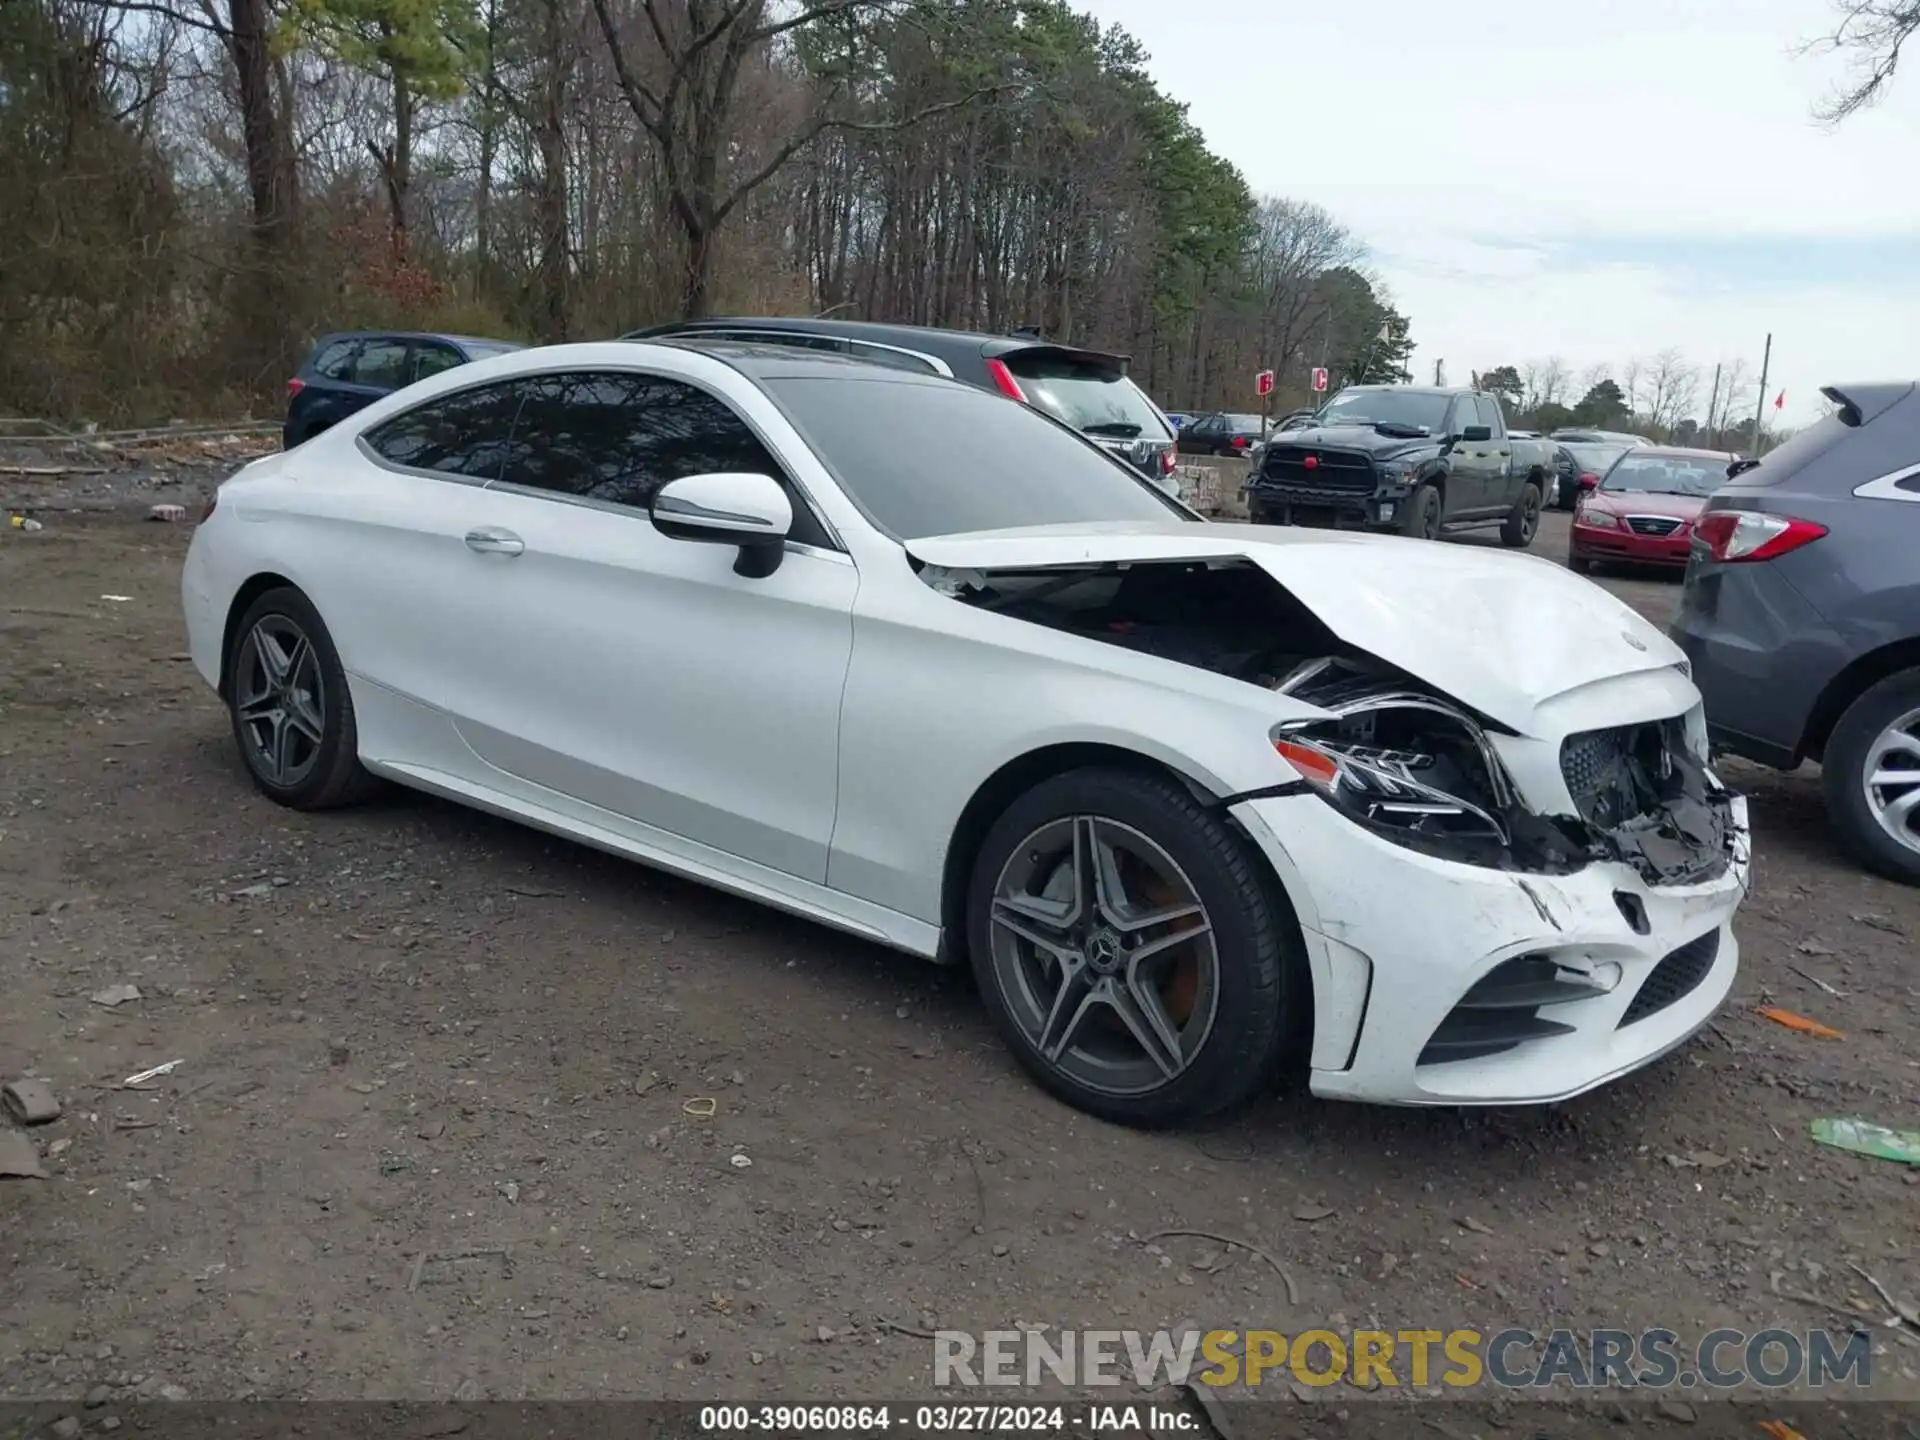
[295, 386]
[1239, 442]
[1733, 535]
[1169, 458]
[1003, 378]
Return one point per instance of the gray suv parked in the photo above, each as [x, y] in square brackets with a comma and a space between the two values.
[1802, 615]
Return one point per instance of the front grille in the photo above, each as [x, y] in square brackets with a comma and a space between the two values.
[1614, 775]
[1677, 976]
[1652, 524]
[1333, 471]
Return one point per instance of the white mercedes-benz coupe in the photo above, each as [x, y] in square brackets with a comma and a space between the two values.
[1199, 803]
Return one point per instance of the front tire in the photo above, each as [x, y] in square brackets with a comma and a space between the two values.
[1421, 517]
[292, 715]
[1579, 565]
[1132, 951]
[1523, 522]
[1871, 774]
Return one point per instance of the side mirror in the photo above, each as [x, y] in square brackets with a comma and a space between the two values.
[728, 508]
[1589, 482]
[1477, 434]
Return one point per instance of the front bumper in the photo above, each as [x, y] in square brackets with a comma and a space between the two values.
[1396, 939]
[1592, 542]
[200, 610]
[1291, 505]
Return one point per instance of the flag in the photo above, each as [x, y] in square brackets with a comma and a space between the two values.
[1780, 400]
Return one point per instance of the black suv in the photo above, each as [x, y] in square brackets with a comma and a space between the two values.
[1087, 389]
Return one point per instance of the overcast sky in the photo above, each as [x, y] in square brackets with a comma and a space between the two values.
[1591, 181]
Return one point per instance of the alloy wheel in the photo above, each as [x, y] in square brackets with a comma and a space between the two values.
[1529, 515]
[1105, 955]
[1891, 777]
[280, 699]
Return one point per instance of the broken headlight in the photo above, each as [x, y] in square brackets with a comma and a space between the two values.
[1406, 765]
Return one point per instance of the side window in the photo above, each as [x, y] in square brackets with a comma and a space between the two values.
[1463, 415]
[432, 359]
[465, 433]
[1489, 413]
[618, 437]
[336, 361]
[382, 364]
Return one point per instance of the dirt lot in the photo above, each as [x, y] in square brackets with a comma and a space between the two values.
[429, 1136]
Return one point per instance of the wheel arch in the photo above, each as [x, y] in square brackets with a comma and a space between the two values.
[250, 590]
[1019, 775]
[1859, 676]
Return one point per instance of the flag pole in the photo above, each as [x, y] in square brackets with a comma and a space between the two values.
[1760, 405]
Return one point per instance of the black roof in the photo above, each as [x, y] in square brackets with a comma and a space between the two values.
[927, 339]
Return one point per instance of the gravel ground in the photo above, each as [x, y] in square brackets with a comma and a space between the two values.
[431, 1134]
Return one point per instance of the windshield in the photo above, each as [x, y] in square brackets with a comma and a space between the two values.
[1666, 474]
[1422, 410]
[1087, 395]
[975, 461]
[1594, 459]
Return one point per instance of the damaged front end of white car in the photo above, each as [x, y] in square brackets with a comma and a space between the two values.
[1514, 870]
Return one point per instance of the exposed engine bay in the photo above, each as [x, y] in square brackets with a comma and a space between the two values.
[1413, 765]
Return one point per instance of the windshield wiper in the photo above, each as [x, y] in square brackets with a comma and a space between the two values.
[1119, 429]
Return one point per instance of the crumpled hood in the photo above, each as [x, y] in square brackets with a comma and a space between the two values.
[1356, 437]
[1501, 633]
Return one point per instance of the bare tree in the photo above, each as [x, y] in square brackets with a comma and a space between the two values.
[1664, 388]
[1871, 34]
[1735, 399]
[1545, 381]
[704, 47]
[1631, 376]
[1295, 242]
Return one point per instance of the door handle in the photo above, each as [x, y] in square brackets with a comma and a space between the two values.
[490, 540]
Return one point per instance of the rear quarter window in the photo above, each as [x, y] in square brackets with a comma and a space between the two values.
[335, 361]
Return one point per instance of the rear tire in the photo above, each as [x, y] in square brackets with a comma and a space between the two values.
[291, 711]
[1875, 736]
[1223, 1005]
[1523, 522]
[1421, 518]
[1579, 565]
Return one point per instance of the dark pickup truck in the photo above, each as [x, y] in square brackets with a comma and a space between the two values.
[1413, 459]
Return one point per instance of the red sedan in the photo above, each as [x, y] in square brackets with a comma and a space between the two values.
[1642, 510]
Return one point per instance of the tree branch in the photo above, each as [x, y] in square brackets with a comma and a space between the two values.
[813, 132]
[142, 7]
[1875, 31]
[807, 16]
[637, 95]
